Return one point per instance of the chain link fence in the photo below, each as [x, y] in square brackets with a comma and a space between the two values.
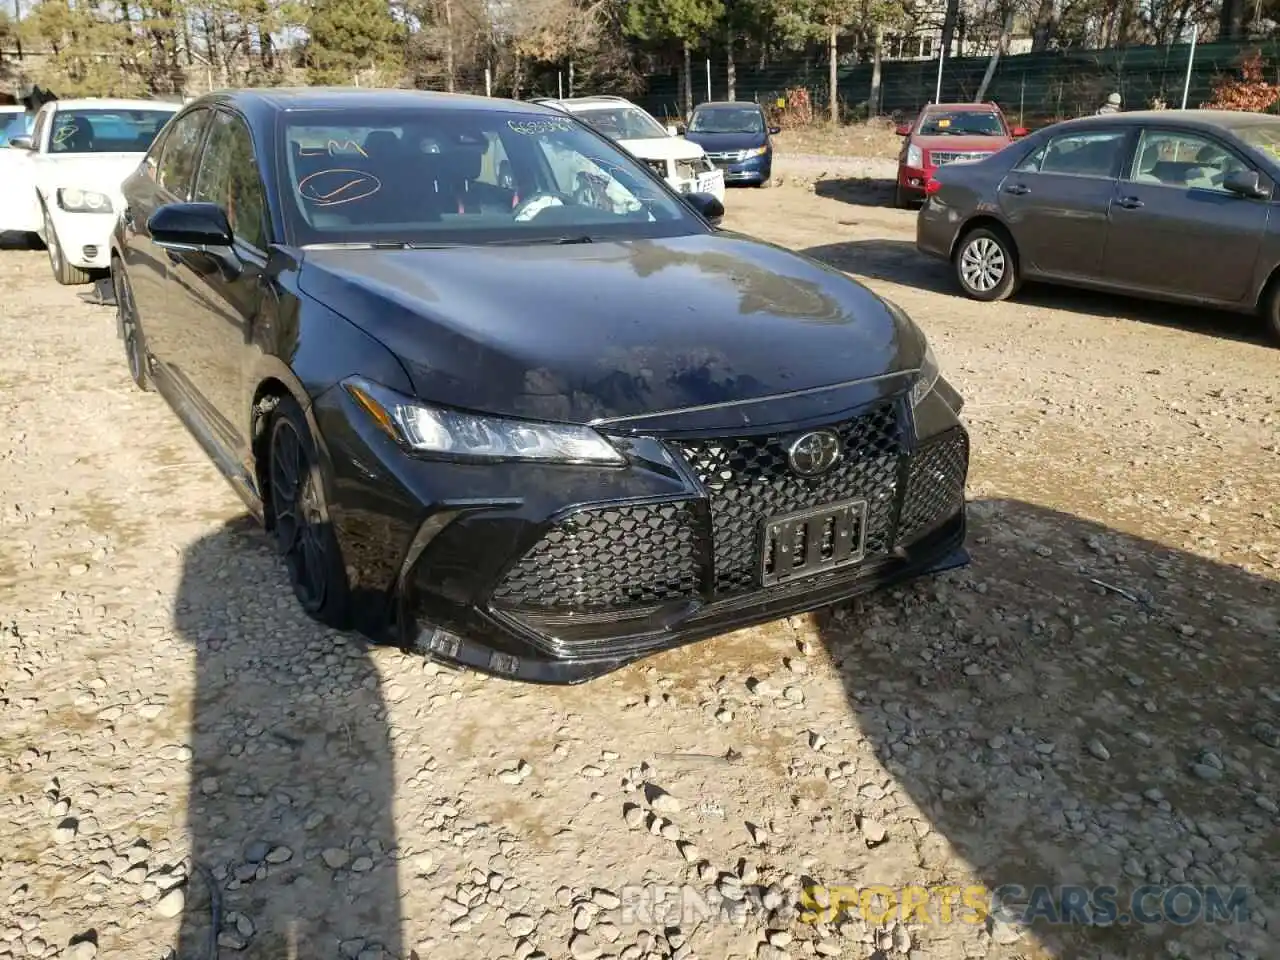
[1036, 88]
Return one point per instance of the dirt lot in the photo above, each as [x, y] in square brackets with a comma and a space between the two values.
[1095, 701]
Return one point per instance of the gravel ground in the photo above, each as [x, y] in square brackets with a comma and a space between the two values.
[1096, 700]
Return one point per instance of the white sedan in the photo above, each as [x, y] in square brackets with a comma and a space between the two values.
[62, 182]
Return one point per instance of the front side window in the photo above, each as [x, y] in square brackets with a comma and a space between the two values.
[624, 123]
[229, 177]
[1183, 160]
[181, 146]
[963, 123]
[425, 175]
[106, 131]
[1095, 153]
[727, 120]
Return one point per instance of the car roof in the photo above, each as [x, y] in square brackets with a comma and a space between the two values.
[277, 99]
[961, 107]
[1197, 119]
[600, 101]
[114, 103]
[727, 103]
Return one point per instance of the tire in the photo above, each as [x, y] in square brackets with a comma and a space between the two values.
[65, 273]
[986, 264]
[300, 523]
[1271, 312]
[901, 199]
[135, 345]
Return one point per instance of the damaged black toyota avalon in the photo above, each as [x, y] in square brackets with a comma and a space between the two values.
[501, 396]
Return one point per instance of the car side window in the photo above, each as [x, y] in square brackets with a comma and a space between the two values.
[229, 177]
[1183, 160]
[1095, 153]
[181, 148]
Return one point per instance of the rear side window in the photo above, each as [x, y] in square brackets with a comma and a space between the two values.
[1096, 153]
[181, 150]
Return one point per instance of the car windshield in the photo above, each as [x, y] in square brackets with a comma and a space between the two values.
[727, 120]
[1261, 136]
[418, 175]
[624, 123]
[106, 130]
[962, 123]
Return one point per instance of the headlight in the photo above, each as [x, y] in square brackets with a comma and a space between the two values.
[926, 379]
[453, 434]
[83, 201]
[755, 152]
[915, 156]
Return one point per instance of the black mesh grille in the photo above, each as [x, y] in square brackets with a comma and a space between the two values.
[749, 480]
[611, 557]
[935, 488]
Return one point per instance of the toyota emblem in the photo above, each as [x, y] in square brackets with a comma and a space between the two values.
[813, 453]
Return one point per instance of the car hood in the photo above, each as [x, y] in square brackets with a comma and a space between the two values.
[104, 172]
[962, 144]
[719, 142]
[663, 148]
[613, 329]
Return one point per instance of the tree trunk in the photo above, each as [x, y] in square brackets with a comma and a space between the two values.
[833, 75]
[1231, 20]
[873, 103]
[448, 46]
[688, 81]
[731, 71]
[1006, 30]
[1045, 23]
[949, 20]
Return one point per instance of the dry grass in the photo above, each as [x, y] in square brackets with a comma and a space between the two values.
[872, 139]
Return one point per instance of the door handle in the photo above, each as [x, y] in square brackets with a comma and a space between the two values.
[1129, 203]
[1017, 189]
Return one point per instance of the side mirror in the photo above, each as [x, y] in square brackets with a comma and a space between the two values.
[1018, 132]
[23, 142]
[774, 131]
[903, 129]
[673, 130]
[200, 228]
[1245, 183]
[707, 205]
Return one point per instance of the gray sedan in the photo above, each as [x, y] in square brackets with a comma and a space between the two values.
[1170, 205]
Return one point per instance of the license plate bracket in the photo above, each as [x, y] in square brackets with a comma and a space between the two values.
[809, 542]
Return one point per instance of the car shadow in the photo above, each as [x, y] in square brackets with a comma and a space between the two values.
[16, 240]
[1103, 712]
[293, 842]
[860, 191]
[898, 261]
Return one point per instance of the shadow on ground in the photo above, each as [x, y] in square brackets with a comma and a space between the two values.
[1064, 732]
[290, 811]
[13, 240]
[899, 261]
[860, 191]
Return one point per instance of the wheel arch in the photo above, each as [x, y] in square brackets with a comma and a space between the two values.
[274, 382]
[990, 222]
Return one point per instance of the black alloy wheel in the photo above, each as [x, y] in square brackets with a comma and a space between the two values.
[135, 349]
[302, 530]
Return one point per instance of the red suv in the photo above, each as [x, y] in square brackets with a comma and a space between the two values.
[947, 133]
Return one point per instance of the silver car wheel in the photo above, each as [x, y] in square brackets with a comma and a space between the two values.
[982, 264]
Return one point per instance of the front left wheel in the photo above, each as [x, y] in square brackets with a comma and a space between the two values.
[65, 273]
[135, 347]
[301, 526]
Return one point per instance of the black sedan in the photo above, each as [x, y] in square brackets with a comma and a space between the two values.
[501, 396]
[1169, 205]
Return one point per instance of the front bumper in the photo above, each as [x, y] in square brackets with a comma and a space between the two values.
[750, 171]
[912, 180]
[559, 574]
[85, 237]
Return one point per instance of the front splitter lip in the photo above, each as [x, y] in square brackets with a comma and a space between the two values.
[943, 555]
